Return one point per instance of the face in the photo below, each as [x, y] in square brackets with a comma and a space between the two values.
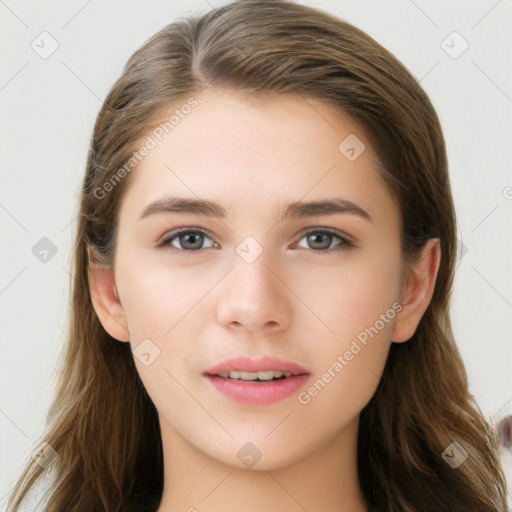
[320, 289]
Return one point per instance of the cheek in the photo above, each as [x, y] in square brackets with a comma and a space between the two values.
[341, 390]
[162, 305]
[356, 302]
[158, 297]
[159, 307]
[348, 365]
[354, 294]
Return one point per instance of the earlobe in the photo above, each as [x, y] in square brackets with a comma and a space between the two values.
[417, 291]
[105, 300]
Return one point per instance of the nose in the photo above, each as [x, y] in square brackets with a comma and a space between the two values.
[255, 297]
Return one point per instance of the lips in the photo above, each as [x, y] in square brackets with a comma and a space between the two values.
[265, 364]
[230, 379]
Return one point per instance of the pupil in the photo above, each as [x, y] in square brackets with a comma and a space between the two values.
[192, 236]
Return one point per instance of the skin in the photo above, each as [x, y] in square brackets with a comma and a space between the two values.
[250, 155]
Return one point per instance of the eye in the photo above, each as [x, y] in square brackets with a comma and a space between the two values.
[321, 241]
[186, 240]
[189, 240]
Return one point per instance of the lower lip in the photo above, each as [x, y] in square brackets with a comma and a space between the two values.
[251, 392]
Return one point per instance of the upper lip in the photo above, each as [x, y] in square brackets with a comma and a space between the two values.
[246, 364]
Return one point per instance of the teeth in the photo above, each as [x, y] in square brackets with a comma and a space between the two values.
[255, 375]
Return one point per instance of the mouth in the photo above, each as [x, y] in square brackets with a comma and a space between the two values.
[262, 381]
[260, 370]
[266, 376]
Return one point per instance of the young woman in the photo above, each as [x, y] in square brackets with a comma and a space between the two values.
[262, 272]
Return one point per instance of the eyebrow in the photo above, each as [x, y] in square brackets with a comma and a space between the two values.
[294, 209]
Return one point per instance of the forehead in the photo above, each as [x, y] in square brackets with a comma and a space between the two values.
[244, 150]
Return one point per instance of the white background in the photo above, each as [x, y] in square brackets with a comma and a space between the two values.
[48, 107]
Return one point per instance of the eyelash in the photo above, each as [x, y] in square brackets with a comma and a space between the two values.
[345, 243]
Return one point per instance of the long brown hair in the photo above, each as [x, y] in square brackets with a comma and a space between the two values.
[102, 423]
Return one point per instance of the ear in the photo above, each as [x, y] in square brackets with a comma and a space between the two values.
[417, 291]
[105, 300]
